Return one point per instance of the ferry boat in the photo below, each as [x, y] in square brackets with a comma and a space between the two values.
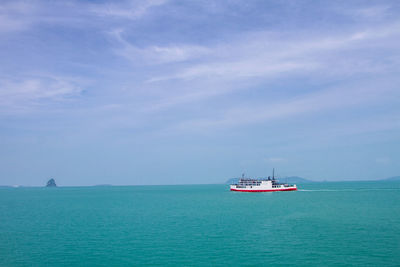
[261, 185]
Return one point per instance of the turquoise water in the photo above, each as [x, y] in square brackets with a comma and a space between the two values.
[322, 224]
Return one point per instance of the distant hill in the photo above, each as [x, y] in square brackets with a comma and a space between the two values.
[51, 183]
[395, 178]
[296, 179]
[290, 179]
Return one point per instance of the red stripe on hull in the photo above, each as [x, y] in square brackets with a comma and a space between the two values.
[272, 190]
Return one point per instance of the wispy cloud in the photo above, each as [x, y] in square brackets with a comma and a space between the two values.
[262, 57]
[14, 16]
[155, 54]
[127, 10]
[23, 15]
[373, 11]
[25, 94]
[342, 97]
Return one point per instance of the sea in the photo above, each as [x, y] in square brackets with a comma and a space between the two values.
[321, 224]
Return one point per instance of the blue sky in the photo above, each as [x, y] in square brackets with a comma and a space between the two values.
[182, 92]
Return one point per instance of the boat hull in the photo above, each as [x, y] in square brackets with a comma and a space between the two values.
[264, 190]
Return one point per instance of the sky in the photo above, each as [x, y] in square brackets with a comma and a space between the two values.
[197, 92]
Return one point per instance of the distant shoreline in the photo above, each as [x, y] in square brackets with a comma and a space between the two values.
[289, 180]
[301, 180]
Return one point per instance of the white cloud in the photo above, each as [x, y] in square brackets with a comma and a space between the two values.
[245, 69]
[128, 10]
[155, 54]
[14, 16]
[372, 11]
[332, 98]
[24, 94]
[22, 15]
[264, 55]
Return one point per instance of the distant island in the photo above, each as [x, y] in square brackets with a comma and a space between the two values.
[301, 180]
[296, 179]
[51, 183]
[395, 178]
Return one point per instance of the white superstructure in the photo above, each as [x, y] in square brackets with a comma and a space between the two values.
[261, 185]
